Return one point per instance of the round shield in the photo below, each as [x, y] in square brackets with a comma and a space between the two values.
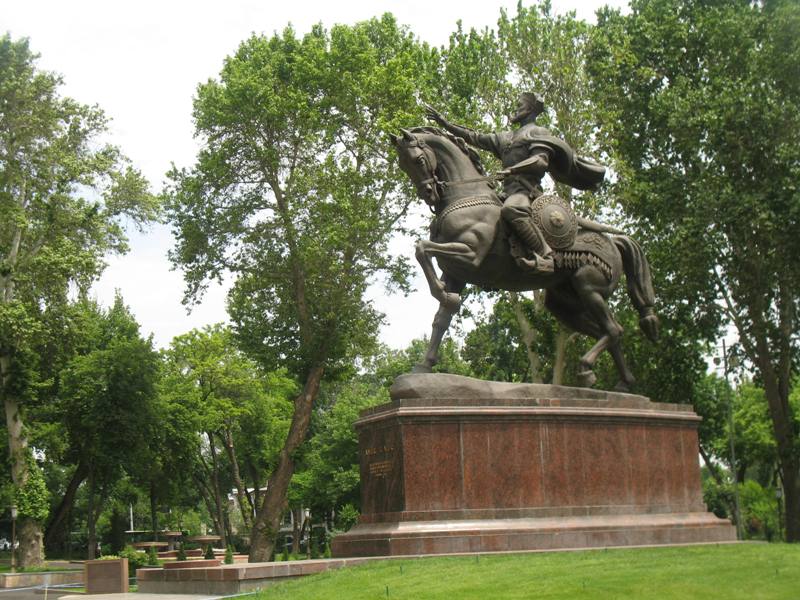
[554, 218]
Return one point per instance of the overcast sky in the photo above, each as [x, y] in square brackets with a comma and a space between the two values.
[141, 62]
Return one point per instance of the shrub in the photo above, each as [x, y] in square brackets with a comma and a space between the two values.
[136, 559]
[152, 558]
[181, 553]
[209, 555]
[757, 505]
[229, 555]
[346, 517]
[285, 554]
[759, 511]
[718, 498]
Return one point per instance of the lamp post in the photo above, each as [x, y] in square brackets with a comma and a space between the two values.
[13, 538]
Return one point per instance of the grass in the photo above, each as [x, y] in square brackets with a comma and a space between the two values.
[7, 569]
[747, 571]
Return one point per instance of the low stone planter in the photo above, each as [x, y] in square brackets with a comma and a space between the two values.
[173, 554]
[193, 564]
[16, 580]
[106, 576]
[233, 579]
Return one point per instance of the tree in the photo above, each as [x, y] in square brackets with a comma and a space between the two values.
[295, 192]
[233, 406]
[328, 478]
[708, 159]
[62, 198]
[494, 348]
[108, 406]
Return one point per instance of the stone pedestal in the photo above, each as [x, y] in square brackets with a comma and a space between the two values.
[454, 464]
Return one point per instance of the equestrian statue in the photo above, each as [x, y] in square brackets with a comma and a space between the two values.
[521, 239]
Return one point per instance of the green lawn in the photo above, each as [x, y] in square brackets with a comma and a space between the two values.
[747, 571]
[6, 568]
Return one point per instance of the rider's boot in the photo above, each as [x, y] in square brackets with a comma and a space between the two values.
[542, 261]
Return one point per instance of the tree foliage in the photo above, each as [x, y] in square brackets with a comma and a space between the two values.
[232, 417]
[296, 194]
[63, 196]
[111, 387]
[707, 152]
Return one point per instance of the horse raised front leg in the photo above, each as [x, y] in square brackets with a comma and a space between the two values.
[441, 323]
[427, 249]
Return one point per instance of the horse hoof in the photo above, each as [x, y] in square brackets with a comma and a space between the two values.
[587, 379]
[422, 368]
[622, 386]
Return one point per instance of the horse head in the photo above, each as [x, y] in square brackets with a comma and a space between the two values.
[418, 161]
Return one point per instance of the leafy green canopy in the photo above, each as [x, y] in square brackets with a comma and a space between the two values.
[295, 190]
[111, 388]
[64, 196]
[708, 146]
[702, 114]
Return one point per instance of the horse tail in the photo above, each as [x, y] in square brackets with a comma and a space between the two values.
[640, 284]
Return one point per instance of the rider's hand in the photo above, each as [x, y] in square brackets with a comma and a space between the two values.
[433, 114]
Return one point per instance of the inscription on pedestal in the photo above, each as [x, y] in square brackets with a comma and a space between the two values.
[380, 460]
[380, 468]
[380, 455]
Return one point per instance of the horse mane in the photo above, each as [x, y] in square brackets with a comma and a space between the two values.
[460, 143]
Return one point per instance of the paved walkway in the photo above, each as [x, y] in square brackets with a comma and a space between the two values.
[33, 593]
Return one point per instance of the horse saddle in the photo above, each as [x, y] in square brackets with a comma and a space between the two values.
[573, 246]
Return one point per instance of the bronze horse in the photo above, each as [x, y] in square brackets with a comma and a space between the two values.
[470, 244]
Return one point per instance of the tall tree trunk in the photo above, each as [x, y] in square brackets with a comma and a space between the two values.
[255, 497]
[776, 380]
[782, 424]
[560, 361]
[712, 468]
[58, 520]
[529, 335]
[90, 521]
[223, 532]
[207, 495]
[241, 494]
[29, 531]
[297, 516]
[267, 521]
[791, 489]
[154, 510]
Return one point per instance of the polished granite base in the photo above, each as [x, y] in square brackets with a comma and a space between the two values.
[454, 464]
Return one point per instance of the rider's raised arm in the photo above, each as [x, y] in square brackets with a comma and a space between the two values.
[485, 141]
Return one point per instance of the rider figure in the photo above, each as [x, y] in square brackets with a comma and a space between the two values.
[526, 154]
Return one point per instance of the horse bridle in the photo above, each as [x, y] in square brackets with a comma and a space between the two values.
[432, 184]
[435, 186]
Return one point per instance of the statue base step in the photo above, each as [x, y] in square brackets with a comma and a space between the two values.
[510, 535]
